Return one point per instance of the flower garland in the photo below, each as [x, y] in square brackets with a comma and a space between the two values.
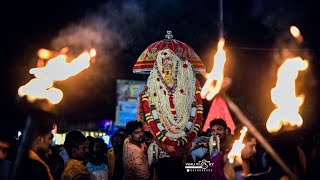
[173, 100]
[157, 128]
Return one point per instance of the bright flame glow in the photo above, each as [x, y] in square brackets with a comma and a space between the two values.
[296, 33]
[19, 134]
[209, 91]
[46, 54]
[93, 53]
[283, 95]
[237, 146]
[57, 69]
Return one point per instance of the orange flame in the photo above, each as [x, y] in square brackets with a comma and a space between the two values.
[209, 91]
[283, 95]
[296, 33]
[47, 54]
[57, 69]
[237, 146]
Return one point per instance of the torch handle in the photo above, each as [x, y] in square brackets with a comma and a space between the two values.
[23, 148]
[220, 18]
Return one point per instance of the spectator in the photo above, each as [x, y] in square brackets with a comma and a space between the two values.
[5, 164]
[97, 165]
[55, 162]
[200, 147]
[241, 164]
[91, 143]
[34, 167]
[315, 157]
[135, 153]
[77, 148]
[115, 154]
[221, 168]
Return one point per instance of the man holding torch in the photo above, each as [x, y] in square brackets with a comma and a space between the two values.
[247, 149]
[32, 166]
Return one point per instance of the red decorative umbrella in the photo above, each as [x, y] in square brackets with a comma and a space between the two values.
[146, 60]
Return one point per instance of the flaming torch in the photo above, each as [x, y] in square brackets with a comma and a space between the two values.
[284, 96]
[208, 90]
[57, 69]
[40, 89]
[237, 146]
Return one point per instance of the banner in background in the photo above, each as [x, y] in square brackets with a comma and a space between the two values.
[127, 100]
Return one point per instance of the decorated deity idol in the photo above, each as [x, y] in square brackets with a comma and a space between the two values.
[170, 106]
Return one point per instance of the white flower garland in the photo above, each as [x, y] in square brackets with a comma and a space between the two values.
[183, 95]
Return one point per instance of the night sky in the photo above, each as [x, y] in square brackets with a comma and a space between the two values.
[256, 32]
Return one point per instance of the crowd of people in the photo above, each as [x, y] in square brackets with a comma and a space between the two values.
[83, 157]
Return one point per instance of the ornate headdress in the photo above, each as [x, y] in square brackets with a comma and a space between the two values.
[146, 60]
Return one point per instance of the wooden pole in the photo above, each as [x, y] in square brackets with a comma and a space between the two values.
[220, 19]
